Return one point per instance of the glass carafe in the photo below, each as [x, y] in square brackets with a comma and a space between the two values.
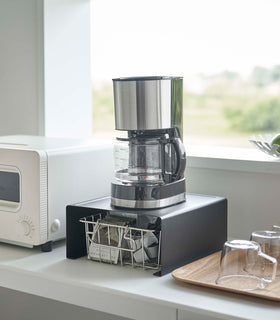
[143, 158]
[138, 161]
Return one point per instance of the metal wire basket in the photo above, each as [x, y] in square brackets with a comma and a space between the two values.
[262, 143]
[114, 243]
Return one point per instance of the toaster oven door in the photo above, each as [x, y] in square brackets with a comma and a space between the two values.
[23, 196]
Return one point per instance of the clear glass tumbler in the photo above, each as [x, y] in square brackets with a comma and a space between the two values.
[239, 267]
[269, 242]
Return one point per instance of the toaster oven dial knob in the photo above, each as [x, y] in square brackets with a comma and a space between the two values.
[26, 228]
[55, 225]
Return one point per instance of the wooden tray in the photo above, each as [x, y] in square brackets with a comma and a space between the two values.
[204, 273]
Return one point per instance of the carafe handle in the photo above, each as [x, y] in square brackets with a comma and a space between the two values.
[181, 158]
[179, 149]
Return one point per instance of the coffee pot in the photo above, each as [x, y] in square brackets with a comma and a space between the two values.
[150, 160]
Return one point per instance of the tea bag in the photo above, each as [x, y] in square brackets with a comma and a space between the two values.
[110, 235]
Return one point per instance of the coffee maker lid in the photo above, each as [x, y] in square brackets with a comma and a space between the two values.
[146, 78]
[148, 103]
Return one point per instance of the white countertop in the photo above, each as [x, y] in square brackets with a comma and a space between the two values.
[120, 290]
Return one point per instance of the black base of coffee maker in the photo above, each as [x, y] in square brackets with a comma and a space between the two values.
[145, 196]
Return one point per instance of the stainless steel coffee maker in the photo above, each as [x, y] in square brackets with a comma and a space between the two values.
[150, 160]
[146, 222]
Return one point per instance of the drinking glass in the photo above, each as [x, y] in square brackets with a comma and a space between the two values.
[269, 242]
[239, 267]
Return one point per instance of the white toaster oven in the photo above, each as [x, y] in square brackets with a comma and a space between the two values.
[39, 176]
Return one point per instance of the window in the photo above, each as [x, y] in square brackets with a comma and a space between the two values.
[227, 51]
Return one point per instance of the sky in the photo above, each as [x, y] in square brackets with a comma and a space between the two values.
[182, 37]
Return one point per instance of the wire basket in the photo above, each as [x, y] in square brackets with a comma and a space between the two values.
[115, 243]
[263, 143]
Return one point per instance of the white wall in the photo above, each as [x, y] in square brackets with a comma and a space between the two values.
[253, 197]
[45, 85]
[18, 67]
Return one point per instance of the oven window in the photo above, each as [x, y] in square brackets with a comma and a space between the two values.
[9, 186]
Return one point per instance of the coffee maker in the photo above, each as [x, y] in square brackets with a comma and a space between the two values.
[150, 160]
[146, 222]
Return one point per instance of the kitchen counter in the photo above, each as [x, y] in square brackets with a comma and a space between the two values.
[121, 291]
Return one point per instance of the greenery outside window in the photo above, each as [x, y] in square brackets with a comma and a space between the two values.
[227, 52]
